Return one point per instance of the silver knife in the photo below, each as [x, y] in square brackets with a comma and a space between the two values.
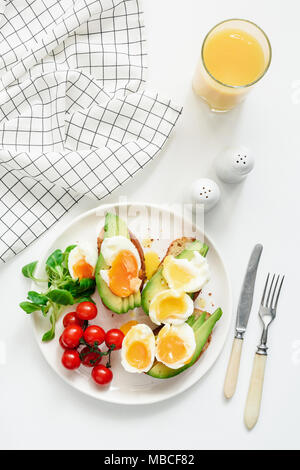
[243, 313]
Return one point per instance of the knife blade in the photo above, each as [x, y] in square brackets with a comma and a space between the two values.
[246, 296]
[243, 313]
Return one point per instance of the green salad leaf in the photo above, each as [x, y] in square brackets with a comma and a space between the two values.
[29, 269]
[62, 289]
[29, 307]
[61, 296]
[36, 298]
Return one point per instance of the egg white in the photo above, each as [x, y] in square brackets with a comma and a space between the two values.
[180, 317]
[144, 334]
[197, 267]
[186, 333]
[85, 251]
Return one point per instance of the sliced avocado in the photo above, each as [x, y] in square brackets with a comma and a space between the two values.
[157, 283]
[202, 329]
[114, 226]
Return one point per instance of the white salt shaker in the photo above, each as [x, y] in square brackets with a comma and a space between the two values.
[205, 191]
[234, 164]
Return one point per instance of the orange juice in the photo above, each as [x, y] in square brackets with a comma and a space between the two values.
[235, 54]
[234, 57]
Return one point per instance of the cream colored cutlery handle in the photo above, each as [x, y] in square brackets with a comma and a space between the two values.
[233, 368]
[255, 391]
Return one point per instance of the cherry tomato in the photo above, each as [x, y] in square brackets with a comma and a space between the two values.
[94, 334]
[86, 311]
[115, 337]
[90, 359]
[102, 375]
[72, 319]
[62, 344]
[71, 336]
[70, 359]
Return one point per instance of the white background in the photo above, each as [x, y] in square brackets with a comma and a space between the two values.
[37, 409]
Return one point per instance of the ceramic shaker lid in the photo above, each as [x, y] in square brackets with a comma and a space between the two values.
[205, 191]
[234, 164]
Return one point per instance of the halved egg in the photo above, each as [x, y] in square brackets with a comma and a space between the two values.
[175, 345]
[171, 306]
[82, 261]
[186, 275]
[124, 263]
[138, 349]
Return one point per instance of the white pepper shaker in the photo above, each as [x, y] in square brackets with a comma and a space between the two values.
[234, 164]
[205, 191]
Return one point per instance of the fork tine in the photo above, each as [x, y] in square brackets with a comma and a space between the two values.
[270, 290]
[274, 291]
[265, 288]
[278, 293]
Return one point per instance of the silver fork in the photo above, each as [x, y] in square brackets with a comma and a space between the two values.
[267, 313]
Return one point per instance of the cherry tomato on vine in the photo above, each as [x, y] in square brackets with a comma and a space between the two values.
[72, 319]
[89, 359]
[115, 337]
[71, 336]
[102, 375]
[86, 311]
[94, 334]
[70, 359]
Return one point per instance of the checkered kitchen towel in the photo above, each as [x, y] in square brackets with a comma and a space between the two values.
[74, 117]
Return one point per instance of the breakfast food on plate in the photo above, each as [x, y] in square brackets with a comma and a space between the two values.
[120, 270]
[68, 279]
[185, 267]
[188, 275]
[175, 345]
[82, 261]
[202, 324]
[171, 307]
[138, 349]
[178, 334]
[81, 346]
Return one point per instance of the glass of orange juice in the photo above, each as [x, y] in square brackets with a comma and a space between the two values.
[235, 55]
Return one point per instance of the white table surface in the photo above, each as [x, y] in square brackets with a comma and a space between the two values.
[37, 409]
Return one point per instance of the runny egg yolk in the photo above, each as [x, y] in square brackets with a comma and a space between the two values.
[82, 269]
[171, 307]
[171, 349]
[138, 355]
[123, 274]
[178, 274]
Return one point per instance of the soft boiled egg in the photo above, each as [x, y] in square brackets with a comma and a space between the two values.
[171, 306]
[82, 261]
[186, 275]
[138, 349]
[123, 260]
[175, 345]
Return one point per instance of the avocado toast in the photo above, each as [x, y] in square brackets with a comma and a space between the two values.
[186, 250]
[201, 322]
[181, 248]
[114, 226]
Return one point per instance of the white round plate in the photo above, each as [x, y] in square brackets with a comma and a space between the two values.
[129, 388]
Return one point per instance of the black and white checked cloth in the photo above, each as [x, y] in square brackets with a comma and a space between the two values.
[74, 117]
